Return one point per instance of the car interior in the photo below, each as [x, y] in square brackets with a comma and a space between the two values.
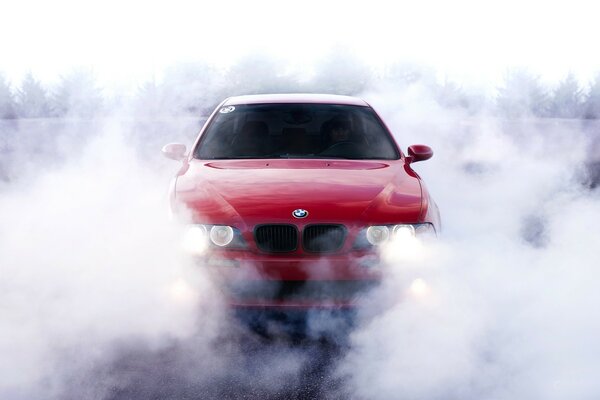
[297, 131]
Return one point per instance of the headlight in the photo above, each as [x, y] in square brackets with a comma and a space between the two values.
[379, 234]
[425, 230]
[195, 239]
[221, 235]
[403, 231]
[198, 238]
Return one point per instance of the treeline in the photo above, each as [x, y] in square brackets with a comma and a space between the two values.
[77, 94]
[194, 89]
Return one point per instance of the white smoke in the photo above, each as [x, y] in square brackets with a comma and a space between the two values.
[510, 306]
[96, 302]
[88, 256]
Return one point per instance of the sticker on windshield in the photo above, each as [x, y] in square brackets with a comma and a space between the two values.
[226, 110]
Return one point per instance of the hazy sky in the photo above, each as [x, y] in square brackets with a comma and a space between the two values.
[468, 41]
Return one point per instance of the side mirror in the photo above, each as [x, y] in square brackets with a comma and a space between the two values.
[419, 152]
[174, 151]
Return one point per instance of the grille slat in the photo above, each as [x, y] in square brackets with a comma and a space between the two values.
[276, 238]
[323, 238]
[315, 238]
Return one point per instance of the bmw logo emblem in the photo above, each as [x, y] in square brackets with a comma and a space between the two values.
[300, 213]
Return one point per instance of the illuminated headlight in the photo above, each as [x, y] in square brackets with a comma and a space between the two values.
[221, 235]
[403, 231]
[195, 239]
[198, 238]
[379, 234]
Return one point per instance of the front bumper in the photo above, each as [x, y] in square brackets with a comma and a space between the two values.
[253, 281]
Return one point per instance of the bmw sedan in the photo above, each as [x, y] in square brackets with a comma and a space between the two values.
[291, 197]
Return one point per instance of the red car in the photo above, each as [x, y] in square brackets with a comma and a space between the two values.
[292, 196]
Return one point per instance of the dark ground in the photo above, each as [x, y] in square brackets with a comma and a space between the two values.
[241, 365]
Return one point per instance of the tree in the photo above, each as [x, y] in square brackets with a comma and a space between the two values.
[149, 100]
[257, 73]
[188, 88]
[591, 105]
[450, 95]
[7, 102]
[522, 95]
[567, 101]
[77, 95]
[402, 75]
[341, 72]
[32, 101]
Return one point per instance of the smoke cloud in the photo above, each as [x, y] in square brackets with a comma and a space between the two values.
[97, 301]
[510, 300]
[88, 257]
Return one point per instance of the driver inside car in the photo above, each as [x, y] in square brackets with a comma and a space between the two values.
[339, 132]
[339, 139]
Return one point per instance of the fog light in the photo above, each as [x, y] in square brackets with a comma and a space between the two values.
[221, 235]
[181, 292]
[377, 235]
[419, 288]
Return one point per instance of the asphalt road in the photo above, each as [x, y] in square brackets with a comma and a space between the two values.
[246, 366]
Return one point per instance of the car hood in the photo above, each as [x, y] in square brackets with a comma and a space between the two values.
[250, 192]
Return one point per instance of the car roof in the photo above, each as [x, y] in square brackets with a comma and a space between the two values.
[295, 98]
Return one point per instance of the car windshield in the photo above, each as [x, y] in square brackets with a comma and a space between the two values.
[296, 131]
